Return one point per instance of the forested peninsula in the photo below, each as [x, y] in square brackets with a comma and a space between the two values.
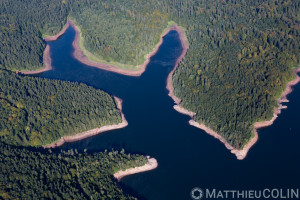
[36, 111]
[26, 174]
[240, 58]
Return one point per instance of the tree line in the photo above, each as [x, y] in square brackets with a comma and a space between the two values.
[70, 174]
[36, 111]
[241, 54]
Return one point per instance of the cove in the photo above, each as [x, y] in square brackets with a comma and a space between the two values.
[187, 156]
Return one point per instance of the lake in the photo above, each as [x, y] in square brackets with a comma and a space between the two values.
[187, 156]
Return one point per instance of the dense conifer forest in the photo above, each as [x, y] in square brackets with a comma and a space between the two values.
[67, 175]
[241, 56]
[22, 27]
[119, 31]
[241, 53]
[36, 111]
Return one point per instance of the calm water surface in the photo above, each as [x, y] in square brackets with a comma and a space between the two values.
[187, 156]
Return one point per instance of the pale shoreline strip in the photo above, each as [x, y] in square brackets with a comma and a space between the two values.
[46, 55]
[240, 153]
[47, 62]
[185, 47]
[150, 165]
[80, 56]
[55, 37]
[92, 132]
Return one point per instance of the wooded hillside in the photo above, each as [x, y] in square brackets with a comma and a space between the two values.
[36, 111]
[241, 53]
[25, 174]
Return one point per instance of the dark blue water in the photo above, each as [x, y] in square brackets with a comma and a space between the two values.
[187, 156]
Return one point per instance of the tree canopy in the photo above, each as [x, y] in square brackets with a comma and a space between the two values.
[241, 54]
[26, 174]
[36, 111]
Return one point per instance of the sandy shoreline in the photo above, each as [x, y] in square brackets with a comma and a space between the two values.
[181, 110]
[92, 132]
[240, 153]
[79, 55]
[55, 37]
[152, 164]
[46, 60]
[185, 47]
[46, 54]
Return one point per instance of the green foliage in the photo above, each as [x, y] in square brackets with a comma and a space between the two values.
[26, 174]
[22, 24]
[122, 31]
[240, 57]
[36, 111]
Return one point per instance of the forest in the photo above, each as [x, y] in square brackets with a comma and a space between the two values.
[240, 58]
[121, 33]
[241, 54]
[36, 111]
[23, 24]
[30, 174]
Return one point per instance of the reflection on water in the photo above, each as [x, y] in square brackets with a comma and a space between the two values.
[187, 156]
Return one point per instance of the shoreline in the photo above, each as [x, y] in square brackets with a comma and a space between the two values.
[81, 57]
[242, 153]
[46, 55]
[239, 153]
[55, 37]
[92, 132]
[169, 86]
[150, 165]
[46, 60]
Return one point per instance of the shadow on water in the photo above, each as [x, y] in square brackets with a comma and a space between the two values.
[187, 156]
